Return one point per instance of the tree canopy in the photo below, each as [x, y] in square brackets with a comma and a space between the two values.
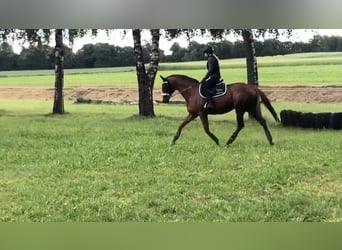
[106, 55]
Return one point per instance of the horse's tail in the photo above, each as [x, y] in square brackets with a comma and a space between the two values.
[268, 105]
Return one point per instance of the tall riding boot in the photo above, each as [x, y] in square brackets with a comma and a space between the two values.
[210, 101]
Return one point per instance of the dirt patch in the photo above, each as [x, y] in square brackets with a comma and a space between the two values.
[331, 94]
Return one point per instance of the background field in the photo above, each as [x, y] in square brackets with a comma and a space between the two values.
[104, 163]
[298, 69]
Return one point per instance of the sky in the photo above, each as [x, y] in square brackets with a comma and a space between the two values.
[118, 38]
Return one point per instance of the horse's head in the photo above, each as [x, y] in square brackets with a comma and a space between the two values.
[182, 83]
[167, 89]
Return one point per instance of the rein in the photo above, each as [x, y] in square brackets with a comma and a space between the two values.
[182, 91]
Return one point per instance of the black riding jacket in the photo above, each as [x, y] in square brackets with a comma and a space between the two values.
[212, 67]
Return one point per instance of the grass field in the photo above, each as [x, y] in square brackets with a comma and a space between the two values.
[297, 69]
[103, 163]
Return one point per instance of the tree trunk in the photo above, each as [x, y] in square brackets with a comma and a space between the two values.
[58, 105]
[146, 79]
[152, 71]
[251, 61]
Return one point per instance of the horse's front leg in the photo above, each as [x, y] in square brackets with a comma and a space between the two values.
[187, 120]
[205, 123]
[240, 125]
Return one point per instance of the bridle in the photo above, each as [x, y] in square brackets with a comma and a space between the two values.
[175, 93]
[165, 83]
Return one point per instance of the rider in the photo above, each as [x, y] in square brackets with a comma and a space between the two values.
[213, 75]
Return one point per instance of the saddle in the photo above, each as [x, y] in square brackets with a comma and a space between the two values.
[218, 90]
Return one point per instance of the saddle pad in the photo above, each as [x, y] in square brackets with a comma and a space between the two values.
[219, 90]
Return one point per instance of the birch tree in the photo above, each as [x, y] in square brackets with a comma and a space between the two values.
[146, 77]
[38, 37]
[58, 101]
[251, 60]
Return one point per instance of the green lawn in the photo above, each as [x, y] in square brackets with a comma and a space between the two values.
[103, 163]
[297, 69]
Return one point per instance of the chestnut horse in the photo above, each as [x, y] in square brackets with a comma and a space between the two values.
[239, 96]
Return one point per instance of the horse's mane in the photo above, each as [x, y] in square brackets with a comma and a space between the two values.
[184, 77]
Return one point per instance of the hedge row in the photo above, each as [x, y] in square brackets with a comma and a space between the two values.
[328, 120]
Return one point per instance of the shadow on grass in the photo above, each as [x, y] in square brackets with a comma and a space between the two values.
[158, 117]
[66, 114]
[3, 112]
[31, 115]
[177, 118]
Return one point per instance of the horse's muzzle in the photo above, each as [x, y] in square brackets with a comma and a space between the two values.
[166, 98]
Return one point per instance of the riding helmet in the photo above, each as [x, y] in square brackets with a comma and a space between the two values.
[209, 50]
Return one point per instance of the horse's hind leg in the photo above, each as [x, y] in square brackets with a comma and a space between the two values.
[257, 115]
[205, 123]
[188, 119]
[240, 125]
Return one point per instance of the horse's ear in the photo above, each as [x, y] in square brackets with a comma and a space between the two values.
[163, 78]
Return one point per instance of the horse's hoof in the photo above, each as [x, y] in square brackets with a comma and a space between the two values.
[229, 142]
